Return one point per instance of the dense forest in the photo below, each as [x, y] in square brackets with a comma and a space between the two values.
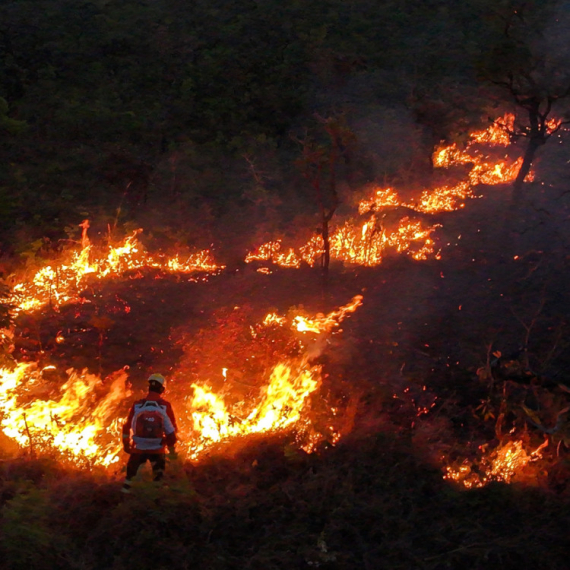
[220, 125]
[114, 109]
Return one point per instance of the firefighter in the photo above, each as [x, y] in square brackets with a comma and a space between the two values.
[152, 424]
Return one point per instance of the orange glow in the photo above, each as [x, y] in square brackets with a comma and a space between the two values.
[283, 400]
[366, 242]
[81, 418]
[501, 464]
[63, 282]
[71, 418]
[497, 133]
[280, 406]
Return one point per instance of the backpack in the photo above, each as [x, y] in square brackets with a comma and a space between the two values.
[149, 422]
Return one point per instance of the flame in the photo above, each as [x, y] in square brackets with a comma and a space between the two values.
[367, 242]
[282, 402]
[362, 245]
[273, 319]
[63, 282]
[280, 406]
[271, 251]
[380, 199]
[326, 323]
[553, 125]
[501, 464]
[69, 419]
[81, 419]
[497, 133]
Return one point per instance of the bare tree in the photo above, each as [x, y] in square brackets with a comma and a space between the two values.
[319, 164]
[530, 63]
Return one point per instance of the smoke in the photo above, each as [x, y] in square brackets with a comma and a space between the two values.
[551, 51]
[392, 142]
[317, 347]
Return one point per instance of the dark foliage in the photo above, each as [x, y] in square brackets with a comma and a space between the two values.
[366, 504]
[108, 109]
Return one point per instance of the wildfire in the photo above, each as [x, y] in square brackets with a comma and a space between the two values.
[326, 323]
[502, 464]
[81, 418]
[497, 133]
[70, 418]
[271, 251]
[282, 402]
[63, 282]
[367, 242]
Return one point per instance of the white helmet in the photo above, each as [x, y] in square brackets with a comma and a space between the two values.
[159, 378]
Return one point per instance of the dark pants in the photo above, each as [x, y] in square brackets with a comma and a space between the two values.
[157, 460]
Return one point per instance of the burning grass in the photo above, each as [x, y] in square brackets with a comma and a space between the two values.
[246, 374]
[506, 463]
[63, 282]
[81, 418]
[367, 242]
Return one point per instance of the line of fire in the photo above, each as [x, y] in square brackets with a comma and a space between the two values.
[255, 368]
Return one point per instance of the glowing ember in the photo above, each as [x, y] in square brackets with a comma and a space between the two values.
[502, 464]
[271, 251]
[497, 133]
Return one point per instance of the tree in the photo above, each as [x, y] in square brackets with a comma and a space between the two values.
[320, 161]
[530, 63]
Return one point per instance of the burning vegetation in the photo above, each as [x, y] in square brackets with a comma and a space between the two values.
[352, 284]
[391, 224]
[81, 418]
[264, 376]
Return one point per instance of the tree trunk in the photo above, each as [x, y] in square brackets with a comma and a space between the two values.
[533, 144]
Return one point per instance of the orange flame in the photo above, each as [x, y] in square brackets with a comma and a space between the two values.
[366, 243]
[502, 464]
[82, 418]
[283, 401]
[69, 419]
[62, 283]
[79, 419]
[281, 405]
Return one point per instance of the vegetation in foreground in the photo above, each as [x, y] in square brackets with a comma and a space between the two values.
[369, 503]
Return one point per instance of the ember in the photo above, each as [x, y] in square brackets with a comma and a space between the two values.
[501, 464]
